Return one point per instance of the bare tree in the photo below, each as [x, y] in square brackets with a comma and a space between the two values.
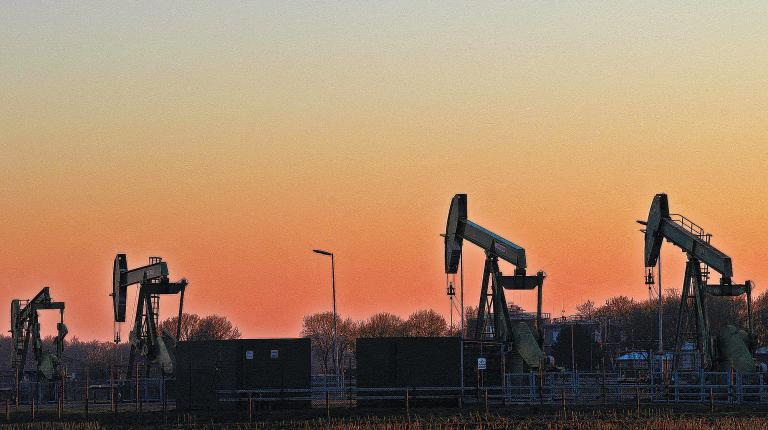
[616, 307]
[426, 323]
[383, 324]
[215, 327]
[189, 324]
[586, 310]
[470, 321]
[211, 327]
[319, 328]
[760, 315]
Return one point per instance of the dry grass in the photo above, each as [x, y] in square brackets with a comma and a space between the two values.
[597, 420]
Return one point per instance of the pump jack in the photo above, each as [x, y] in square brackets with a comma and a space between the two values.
[25, 327]
[702, 256]
[459, 228]
[144, 337]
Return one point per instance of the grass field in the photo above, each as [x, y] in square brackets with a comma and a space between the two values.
[686, 418]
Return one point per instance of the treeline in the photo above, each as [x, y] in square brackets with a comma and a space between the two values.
[620, 323]
[101, 356]
[623, 324]
[319, 328]
[194, 327]
[635, 322]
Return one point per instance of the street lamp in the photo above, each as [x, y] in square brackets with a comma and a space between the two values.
[333, 285]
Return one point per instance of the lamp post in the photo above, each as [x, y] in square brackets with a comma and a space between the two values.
[333, 286]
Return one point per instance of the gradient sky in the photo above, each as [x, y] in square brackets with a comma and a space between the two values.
[232, 138]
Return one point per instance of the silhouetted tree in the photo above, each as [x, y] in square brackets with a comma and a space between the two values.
[636, 322]
[319, 328]
[426, 323]
[211, 327]
[383, 324]
[215, 327]
[586, 310]
[470, 321]
[760, 316]
[616, 307]
[189, 324]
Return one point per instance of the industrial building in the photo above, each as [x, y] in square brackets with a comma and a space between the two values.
[210, 370]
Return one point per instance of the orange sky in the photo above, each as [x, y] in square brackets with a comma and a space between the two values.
[232, 139]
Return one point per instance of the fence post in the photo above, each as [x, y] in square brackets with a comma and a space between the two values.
[652, 385]
[18, 389]
[637, 399]
[7, 411]
[486, 402]
[250, 407]
[531, 388]
[139, 398]
[602, 384]
[60, 403]
[552, 395]
[112, 388]
[711, 400]
[730, 386]
[575, 386]
[137, 388]
[57, 388]
[165, 398]
[327, 405]
[349, 386]
[33, 406]
[408, 404]
[563, 393]
[677, 385]
[87, 383]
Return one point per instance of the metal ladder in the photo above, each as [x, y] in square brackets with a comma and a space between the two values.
[697, 231]
[18, 347]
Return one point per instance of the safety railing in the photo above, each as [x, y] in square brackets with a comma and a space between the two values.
[534, 388]
[93, 391]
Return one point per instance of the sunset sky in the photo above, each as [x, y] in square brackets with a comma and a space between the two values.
[232, 138]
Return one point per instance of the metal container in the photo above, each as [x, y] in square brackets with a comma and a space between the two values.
[408, 362]
[205, 369]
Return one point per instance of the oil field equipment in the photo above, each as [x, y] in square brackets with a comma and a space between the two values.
[25, 328]
[145, 338]
[731, 348]
[493, 303]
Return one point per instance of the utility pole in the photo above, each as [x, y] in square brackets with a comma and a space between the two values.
[461, 282]
[461, 302]
[333, 286]
[451, 292]
[661, 341]
[573, 353]
[461, 286]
